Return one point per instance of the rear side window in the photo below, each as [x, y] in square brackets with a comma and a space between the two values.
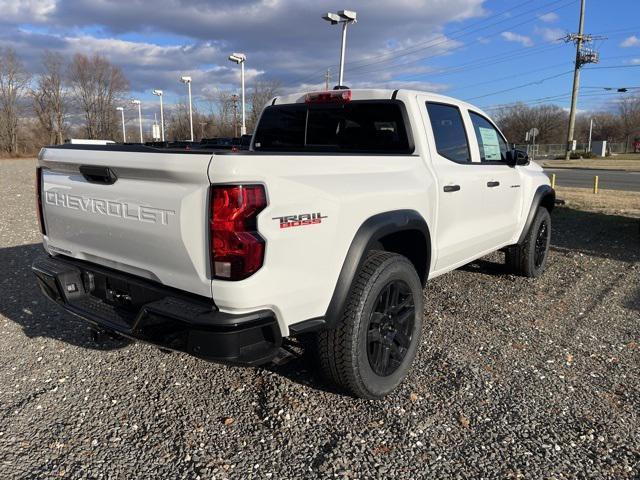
[355, 127]
[493, 148]
[449, 132]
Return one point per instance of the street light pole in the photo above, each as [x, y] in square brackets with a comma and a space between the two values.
[187, 80]
[159, 93]
[137, 102]
[124, 131]
[243, 129]
[345, 17]
[240, 58]
[342, 50]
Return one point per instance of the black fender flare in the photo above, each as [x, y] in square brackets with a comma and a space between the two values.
[544, 195]
[365, 239]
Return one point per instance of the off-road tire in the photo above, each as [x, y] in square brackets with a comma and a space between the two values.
[344, 352]
[524, 259]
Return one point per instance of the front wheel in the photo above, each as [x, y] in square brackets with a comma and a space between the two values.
[529, 258]
[372, 348]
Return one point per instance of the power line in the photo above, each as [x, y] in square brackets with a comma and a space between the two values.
[494, 80]
[518, 53]
[541, 100]
[535, 82]
[492, 60]
[430, 43]
[542, 80]
[395, 55]
[521, 74]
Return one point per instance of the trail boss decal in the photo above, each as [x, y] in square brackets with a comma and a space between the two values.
[300, 220]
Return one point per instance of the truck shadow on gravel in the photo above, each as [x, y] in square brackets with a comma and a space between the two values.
[22, 302]
[614, 237]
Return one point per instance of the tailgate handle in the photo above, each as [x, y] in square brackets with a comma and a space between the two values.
[96, 174]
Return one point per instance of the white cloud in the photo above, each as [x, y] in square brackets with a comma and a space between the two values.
[516, 37]
[26, 10]
[550, 34]
[635, 61]
[283, 39]
[549, 17]
[632, 41]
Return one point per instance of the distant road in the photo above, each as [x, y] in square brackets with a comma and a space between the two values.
[608, 179]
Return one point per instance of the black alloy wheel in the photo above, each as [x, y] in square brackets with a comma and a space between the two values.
[391, 325]
[542, 240]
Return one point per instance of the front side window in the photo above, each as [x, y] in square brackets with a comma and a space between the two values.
[493, 147]
[353, 127]
[449, 132]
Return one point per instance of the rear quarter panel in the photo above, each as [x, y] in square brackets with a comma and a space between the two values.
[302, 263]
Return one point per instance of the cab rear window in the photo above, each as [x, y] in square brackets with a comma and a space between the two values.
[355, 127]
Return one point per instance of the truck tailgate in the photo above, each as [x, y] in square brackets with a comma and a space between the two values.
[151, 221]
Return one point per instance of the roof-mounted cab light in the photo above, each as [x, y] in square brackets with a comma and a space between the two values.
[336, 96]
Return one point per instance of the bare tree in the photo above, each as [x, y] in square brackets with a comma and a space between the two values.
[223, 113]
[177, 122]
[50, 97]
[97, 86]
[14, 79]
[606, 126]
[515, 120]
[261, 93]
[629, 113]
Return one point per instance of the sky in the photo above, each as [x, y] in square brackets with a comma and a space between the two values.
[488, 52]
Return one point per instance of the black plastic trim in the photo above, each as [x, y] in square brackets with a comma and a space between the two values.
[98, 174]
[136, 147]
[542, 192]
[367, 238]
[311, 325]
[158, 315]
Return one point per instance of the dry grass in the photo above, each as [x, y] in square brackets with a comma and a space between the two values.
[606, 201]
[629, 162]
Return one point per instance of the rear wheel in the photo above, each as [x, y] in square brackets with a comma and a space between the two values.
[530, 257]
[371, 350]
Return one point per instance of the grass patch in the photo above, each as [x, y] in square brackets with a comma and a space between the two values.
[611, 202]
[628, 162]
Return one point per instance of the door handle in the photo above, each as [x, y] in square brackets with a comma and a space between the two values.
[451, 188]
[493, 184]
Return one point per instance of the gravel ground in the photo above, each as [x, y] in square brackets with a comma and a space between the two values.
[516, 379]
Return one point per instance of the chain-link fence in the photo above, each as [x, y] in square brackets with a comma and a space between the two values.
[552, 150]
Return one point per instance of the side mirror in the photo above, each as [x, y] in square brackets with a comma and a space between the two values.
[517, 157]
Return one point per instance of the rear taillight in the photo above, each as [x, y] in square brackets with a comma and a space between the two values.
[237, 249]
[43, 229]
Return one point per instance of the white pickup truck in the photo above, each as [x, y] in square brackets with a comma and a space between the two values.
[346, 204]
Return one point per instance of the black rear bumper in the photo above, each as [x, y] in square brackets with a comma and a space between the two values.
[143, 310]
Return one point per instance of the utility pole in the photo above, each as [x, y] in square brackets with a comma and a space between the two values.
[584, 55]
[327, 79]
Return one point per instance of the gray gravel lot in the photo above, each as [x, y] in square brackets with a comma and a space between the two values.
[516, 379]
